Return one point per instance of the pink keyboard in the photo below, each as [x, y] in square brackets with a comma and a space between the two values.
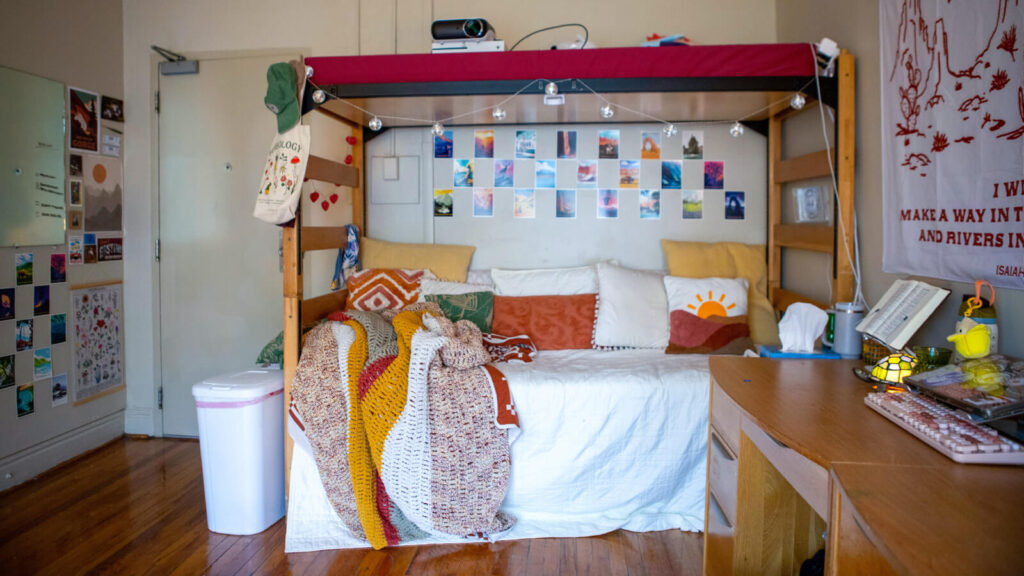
[946, 430]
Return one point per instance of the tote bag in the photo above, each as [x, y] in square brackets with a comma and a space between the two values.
[281, 188]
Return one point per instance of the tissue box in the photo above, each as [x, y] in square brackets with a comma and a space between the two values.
[776, 352]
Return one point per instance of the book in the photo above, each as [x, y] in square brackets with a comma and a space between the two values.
[901, 311]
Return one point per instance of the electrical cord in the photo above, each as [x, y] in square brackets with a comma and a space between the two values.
[585, 32]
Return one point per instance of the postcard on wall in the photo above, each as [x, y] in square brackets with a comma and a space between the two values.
[83, 120]
[629, 173]
[650, 204]
[102, 194]
[58, 328]
[565, 204]
[714, 175]
[7, 371]
[89, 254]
[59, 390]
[735, 206]
[483, 202]
[7, 303]
[109, 249]
[693, 145]
[75, 250]
[97, 333]
[608, 144]
[693, 204]
[525, 204]
[111, 145]
[545, 171]
[483, 143]
[586, 174]
[504, 173]
[650, 145]
[41, 302]
[23, 335]
[565, 144]
[112, 109]
[75, 165]
[443, 144]
[26, 400]
[58, 268]
[444, 204]
[23, 268]
[526, 143]
[42, 364]
[671, 174]
[607, 204]
[75, 192]
[75, 220]
[463, 174]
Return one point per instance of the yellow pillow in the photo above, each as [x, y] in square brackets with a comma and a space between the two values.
[729, 260]
[447, 262]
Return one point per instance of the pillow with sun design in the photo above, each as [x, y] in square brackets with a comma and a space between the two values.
[707, 315]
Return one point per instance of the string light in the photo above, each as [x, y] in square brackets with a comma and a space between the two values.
[669, 130]
[798, 101]
[438, 129]
[607, 111]
[498, 114]
[375, 124]
[737, 130]
[551, 89]
[319, 96]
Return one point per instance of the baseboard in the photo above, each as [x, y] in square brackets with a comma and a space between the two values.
[34, 460]
[141, 421]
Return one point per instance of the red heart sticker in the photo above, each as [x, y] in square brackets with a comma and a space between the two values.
[348, 159]
[350, 140]
[325, 205]
[314, 196]
[334, 198]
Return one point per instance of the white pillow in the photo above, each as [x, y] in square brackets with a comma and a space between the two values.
[545, 281]
[434, 287]
[480, 277]
[707, 296]
[632, 308]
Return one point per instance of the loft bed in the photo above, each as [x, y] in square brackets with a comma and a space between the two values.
[696, 83]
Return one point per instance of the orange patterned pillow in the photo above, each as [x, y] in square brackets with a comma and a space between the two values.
[552, 322]
[384, 289]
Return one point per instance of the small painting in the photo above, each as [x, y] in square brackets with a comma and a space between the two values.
[41, 302]
[443, 144]
[693, 145]
[463, 173]
[735, 208]
[59, 390]
[504, 173]
[102, 194]
[671, 174]
[23, 335]
[525, 205]
[83, 120]
[545, 174]
[89, 254]
[608, 144]
[58, 268]
[74, 219]
[75, 165]
[714, 175]
[42, 362]
[650, 145]
[7, 371]
[650, 204]
[26, 400]
[6, 303]
[526, 143]
[608, 204]
[565, 145]
[110, 249]
[58, 328]
[112, 109]
[23, 268]
[483, 144]
[586, 174]
[629, 173]
[565, 204]
[444, 205]
[693, 204]
[75, 250]
[483, 202]
[75, 192]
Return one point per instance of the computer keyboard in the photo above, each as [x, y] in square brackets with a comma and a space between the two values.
[948, 431]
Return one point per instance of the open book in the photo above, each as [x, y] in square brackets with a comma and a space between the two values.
[901, 311]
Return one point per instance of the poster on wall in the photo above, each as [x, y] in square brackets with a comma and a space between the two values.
[83, 120]
[102, 194]
[953, 138]
[96, 357]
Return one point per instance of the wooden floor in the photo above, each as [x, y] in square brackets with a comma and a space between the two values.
[136, 507]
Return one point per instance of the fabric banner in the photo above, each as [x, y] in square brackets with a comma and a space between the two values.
[952, 82]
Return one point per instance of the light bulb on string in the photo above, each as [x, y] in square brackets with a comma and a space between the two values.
[669, 130]
[309, 71]
[798, 101]
[551, 89]
[607, 111]
[498, 113]
[438, 129]
[375, 124]
[319, 96]
[737, 130]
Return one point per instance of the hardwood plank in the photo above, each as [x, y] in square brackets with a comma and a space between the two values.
[330, 171]
[319, 307]
[814, 237]
[813, 165]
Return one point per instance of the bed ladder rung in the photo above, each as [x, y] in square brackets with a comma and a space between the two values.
[813, 165]
[323, 238]
[330, 171]
[814, 237]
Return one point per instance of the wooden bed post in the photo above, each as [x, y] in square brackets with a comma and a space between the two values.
[292, 328]
[844, 282]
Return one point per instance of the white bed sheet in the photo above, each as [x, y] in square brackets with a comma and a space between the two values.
[610, 439]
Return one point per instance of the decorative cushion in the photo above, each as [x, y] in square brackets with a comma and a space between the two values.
[632, 308]
[730, 260]
[441, 287]
[545, 281]
[376, 289]
[477, 307]
[447, 262]
[480, 277]
[552, 322]
[707, 315]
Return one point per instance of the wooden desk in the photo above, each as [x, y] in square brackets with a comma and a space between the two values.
[793, 447]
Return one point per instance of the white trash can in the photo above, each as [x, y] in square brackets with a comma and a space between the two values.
[241, 439]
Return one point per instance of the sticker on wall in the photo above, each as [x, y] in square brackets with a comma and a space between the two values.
[26, 400]
[586, 174]
[75, 192]
[112, 109]
[75, 165]
[59, 390]
[671, 174]
[96, 330]
[58, 268]
[714, 175]
[463, 174]
[443, 144]
[629, 173]
[526, 143]
[42, 364]
[75, 250]
[504, 173]
[650, 204]
[735, 208]
[693, 145]
[23, 268]
[483, 202]
[565, 204]
[102, 194]
[608, 144]
[525, 204]
[41, 302]
[23, 335]
[545, 171]
[7, 371]
[444, 205]
[608, 204]
[565, 144]
[58, 328]
[111, 249]
[6, 303]
[650, 145]
[83, 120]
[483, 144]
[693, 204]
[75, 220]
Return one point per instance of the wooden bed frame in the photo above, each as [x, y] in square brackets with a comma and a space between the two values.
[299, 239]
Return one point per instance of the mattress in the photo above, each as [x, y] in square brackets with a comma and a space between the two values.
[610, 439]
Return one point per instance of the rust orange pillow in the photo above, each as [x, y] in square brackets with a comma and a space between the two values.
[552, 322]
[384, 289]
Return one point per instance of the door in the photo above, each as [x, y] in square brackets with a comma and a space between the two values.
[220, 278]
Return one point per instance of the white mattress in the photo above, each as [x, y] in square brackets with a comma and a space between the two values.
[609, 440]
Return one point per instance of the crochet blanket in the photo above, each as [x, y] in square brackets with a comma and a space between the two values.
[409, 427]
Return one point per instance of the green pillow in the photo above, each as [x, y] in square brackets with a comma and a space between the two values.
[477, 307]
[273, 352]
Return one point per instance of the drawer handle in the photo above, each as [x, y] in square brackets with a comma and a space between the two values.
[717, 509]
[719, 445]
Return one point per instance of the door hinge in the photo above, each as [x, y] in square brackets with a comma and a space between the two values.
[156, 101]
[160, 398]
[156, 250]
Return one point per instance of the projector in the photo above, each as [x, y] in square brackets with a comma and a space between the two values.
[462, 29]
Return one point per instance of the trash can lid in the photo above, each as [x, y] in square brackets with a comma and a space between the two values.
[247, 385]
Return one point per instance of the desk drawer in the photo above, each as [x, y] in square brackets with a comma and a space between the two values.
[722, 467]
[725, 417]
[809, 479]
[718, 541]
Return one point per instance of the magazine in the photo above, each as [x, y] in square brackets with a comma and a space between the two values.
[989, 388]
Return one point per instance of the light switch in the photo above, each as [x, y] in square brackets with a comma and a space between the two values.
[391, 168]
